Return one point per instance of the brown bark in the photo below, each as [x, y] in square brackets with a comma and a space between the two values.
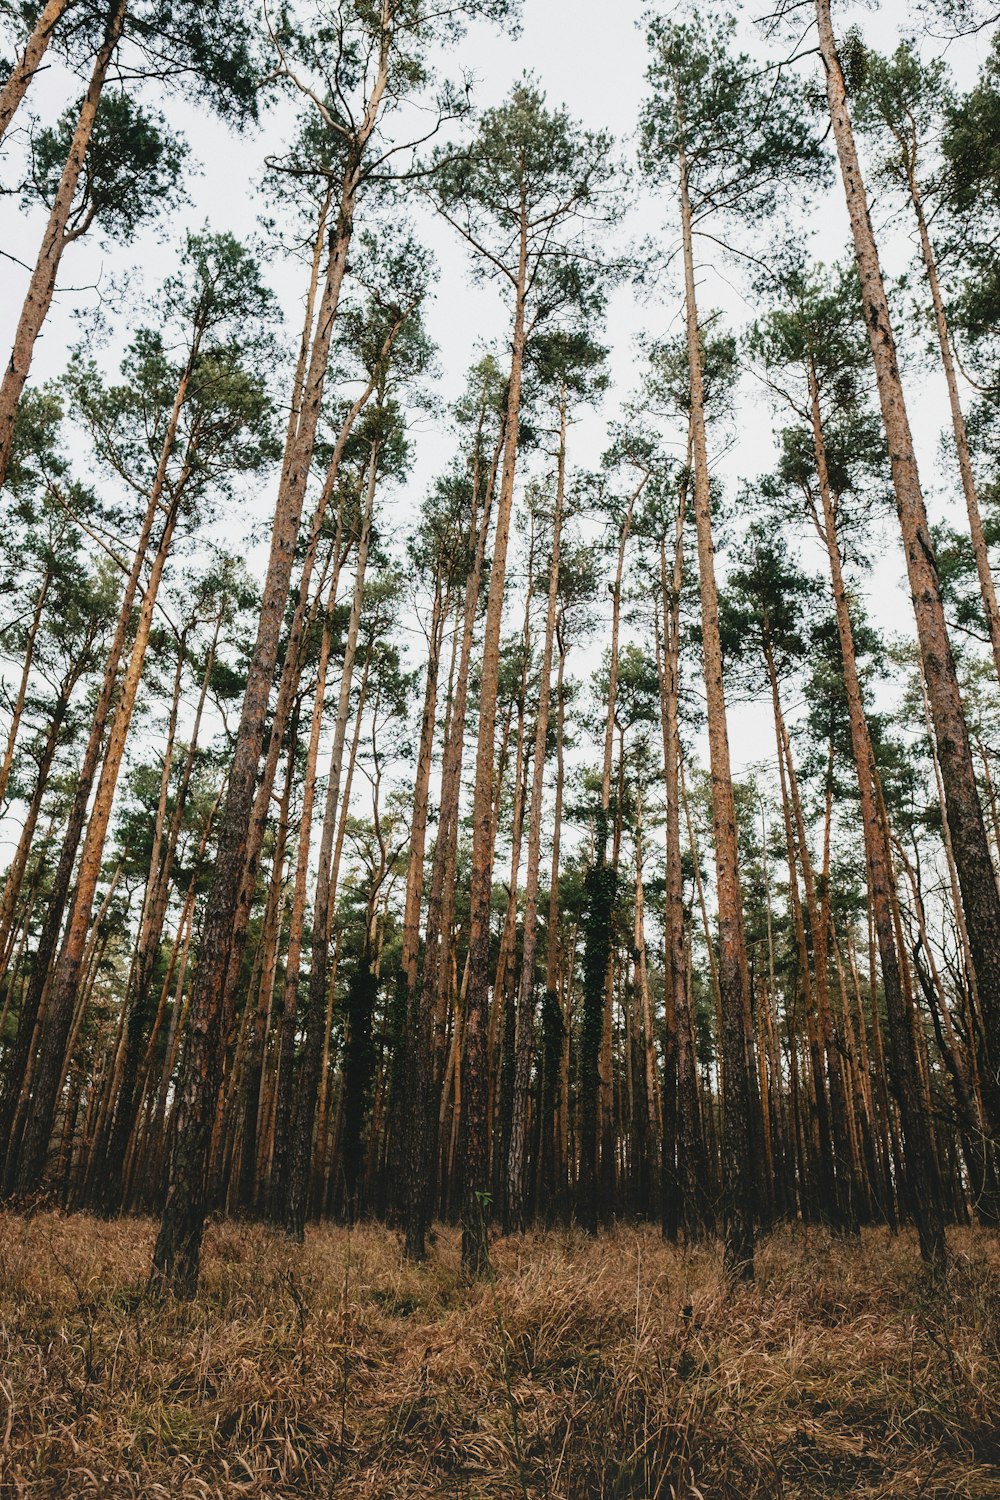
[837, 1143]
[525, 1033]
[22, 686]
[55, 239]
[302, 617]
[178, 1247]
[695, 1215]
[32, 1008]
[987, 585]
[980, 897]
[49, 1075]
[293, 955]
[119, 1102]
[827, 1178]
[307, 1085]
[905, 1076]
[405, 1059]
[19, 864]
[27, 65]
[440, 902]
[475, 1058]
[737, 1163]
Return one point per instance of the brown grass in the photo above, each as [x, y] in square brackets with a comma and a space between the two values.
[611, 1368]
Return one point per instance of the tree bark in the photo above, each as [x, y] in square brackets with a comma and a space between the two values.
[692, 1167]
[307, 1084]
[987, 586]
[475, 1058]
[440, 902]
[737, 1164]
[178, 1246]
[28, 63]
[49, 1070]
[525, 1034]
[980, 897]
[54, 241]
[905, 1077]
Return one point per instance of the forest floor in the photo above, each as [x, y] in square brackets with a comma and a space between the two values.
[608, 1368]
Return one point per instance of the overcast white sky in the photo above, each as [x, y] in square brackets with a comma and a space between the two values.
[590, 56]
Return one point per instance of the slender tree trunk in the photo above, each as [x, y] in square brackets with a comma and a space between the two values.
[549, 1177]
[502, 1039]
[28, 63]
[284, 1093]
[440, 903]
[178, 1246]
[475, 1057]
[596, 1084]
[406, 1026]
[525, 1034]
[737, 1163]
[49, 1075]
[162, 867]
[19, 864]
[986, 584]
[905, 1076]
[980, 897]
[307, 1085]
[56, 238]
[838, 1166]
[133, 1017]
[692, 1166]
[22, 686]
[59, 891]
[248, 1195]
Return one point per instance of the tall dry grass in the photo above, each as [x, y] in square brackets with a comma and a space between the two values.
[614, 1367]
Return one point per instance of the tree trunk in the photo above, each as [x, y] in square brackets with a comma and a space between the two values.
[56, 238]
[737, 1163]
[550, 1174]
[980, 897]
[178, 1246]
[986, 584]
[307, 1085]
[525, 1033]
[905, 1077]
[440, 903]
[692, 1167]
[49, 936]
[284, 1094]
[475, 1058]
[49, 1070]
[22, 687]
[28, 63]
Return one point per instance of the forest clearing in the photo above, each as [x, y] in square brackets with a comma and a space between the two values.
[610, 1367]
[499, 749]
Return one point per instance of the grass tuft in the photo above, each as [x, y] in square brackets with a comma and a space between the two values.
[614, 1367]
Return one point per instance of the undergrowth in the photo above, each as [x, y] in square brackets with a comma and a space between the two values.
[614, 1367]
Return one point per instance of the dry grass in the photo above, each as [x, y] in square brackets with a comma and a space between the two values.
[611, 1368]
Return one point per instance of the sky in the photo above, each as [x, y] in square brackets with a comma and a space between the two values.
[588, 55]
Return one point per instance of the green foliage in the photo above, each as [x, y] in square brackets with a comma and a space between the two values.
[897, 102]
[744, 131]
[131, 172]
[766, 607]
[211, 349]
[532, 185]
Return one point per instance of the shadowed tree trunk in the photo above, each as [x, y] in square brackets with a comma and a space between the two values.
[921, 1171]
[980, 896]
[737, 1150]
[525, 1033]
[178, 1248]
